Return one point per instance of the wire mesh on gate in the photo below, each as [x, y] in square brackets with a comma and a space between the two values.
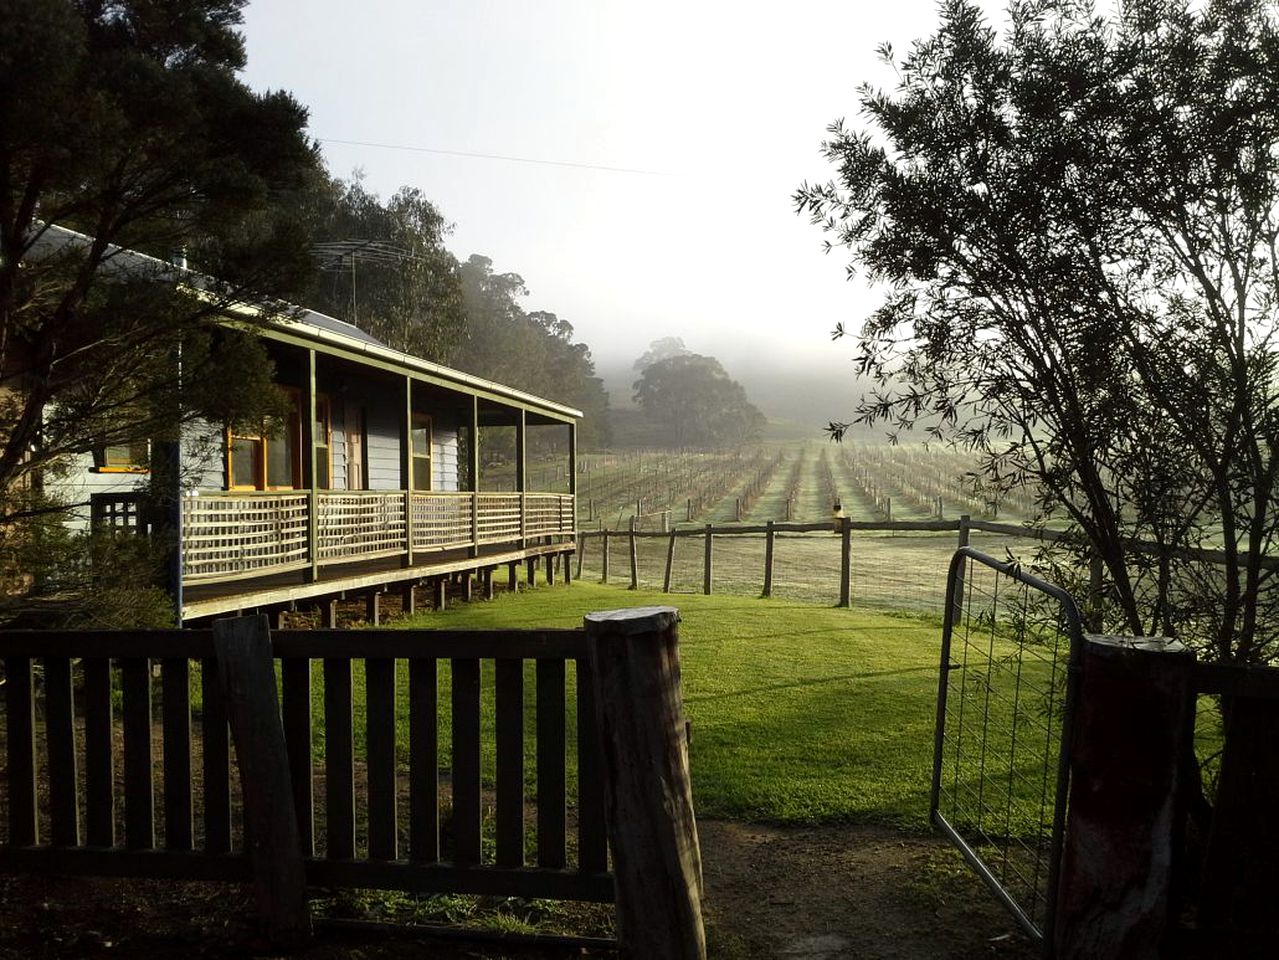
[1009, 669]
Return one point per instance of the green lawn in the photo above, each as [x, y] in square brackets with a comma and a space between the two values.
[800, 713]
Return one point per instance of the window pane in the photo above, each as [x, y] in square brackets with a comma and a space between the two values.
[421, 473]
[422, 439]
[279, 462]
[322, 468]
[244, 462]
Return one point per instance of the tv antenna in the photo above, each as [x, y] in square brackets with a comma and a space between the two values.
[337, 256]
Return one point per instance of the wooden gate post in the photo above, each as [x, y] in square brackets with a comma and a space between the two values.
[1130, 726]
[634, 558]
[670, 562]
[246, 674]
[768, 559]
[648, 796]
[708, 560]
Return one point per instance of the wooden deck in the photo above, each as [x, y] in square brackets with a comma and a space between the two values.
[362, 577]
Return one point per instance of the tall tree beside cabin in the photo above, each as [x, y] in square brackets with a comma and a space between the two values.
[127, 122]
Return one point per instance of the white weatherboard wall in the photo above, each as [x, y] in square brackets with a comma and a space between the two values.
[79, 483]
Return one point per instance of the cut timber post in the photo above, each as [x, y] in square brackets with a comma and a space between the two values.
[486, 577]
[372, 609]
[581, 553]
[513, 576]
[768, 559]
[648, 796]
[568, 568]
[440, 589]
[407, 601]
[604, 578]
[1125, 754]
[845, 562]
[246, 674]
[670, 563]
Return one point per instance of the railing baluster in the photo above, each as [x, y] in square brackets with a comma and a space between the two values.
[592, 849]
[99, 754]
[424, 771]
[295, 675]
[339, 761]
[59, 728]
[509, 706]
[139, 792]
[466, 761]
[215, 735]
[379, 685]
[550, 763]
[175, 686]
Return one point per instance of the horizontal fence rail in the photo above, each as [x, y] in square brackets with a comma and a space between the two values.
[416, 759]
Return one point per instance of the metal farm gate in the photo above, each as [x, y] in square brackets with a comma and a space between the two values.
[1009, 674]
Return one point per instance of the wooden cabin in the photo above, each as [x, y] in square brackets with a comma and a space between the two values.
[372, 486]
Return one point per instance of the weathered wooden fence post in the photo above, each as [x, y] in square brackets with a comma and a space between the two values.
[706, 568]
[634, 559]
[1125, 755]
[648, 795]
[581, 553]
[768, 559]
[246, 674]
[670, 563]
[845, 562]
[604, 578]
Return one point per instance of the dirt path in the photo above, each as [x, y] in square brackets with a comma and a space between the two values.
[836, 892]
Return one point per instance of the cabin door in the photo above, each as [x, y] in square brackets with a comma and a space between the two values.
[356, 477]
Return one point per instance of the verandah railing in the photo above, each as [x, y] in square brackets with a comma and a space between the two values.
[406, 775]
[230, 535]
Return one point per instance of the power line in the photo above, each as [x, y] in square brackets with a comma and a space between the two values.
[494, 156]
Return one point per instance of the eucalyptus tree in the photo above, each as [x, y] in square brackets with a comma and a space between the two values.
[1074, 228]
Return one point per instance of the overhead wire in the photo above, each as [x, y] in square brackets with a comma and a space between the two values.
[581, 165]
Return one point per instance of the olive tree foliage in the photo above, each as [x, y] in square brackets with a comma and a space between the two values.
[1074, 226]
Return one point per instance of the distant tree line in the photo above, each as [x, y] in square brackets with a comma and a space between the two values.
[694, 398]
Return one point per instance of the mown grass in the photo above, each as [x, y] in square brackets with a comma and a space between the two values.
[800, 713]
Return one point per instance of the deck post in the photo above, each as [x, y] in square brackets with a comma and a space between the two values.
[246, 675]
[486, 577]
[768, 559]
[309, 473]
[521, 474]
[568, 567]
[1125, 758]
[550, 560]
[406, 471]
[467, 583]
[845, 562]
[513, 576]
[408, 603]
[328, 613]
[440, 592]
[372, 609]
[475, 478]
[530, 571]
[648, 795]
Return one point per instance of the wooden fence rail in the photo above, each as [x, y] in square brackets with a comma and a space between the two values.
[400, 809]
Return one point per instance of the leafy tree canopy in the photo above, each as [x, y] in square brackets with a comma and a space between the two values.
[1075, 229]
[126, 121]
[697, 402]
[660, 350]
[386, 269]
[533, 351]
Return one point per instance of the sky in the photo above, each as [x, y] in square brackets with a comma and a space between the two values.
[708, 114]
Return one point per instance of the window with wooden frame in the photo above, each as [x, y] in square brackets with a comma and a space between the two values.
[256, 461]
[132, 457]
[323, 438]
[421, 440]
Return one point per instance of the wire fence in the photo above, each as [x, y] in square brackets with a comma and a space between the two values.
[1009, 649]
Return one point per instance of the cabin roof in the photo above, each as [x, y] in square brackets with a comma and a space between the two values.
[310, 325]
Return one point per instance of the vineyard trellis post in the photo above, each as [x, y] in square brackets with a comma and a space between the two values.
[769, 538]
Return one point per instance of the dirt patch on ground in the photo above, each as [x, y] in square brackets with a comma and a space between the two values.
[772, 893]
[836, 892]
